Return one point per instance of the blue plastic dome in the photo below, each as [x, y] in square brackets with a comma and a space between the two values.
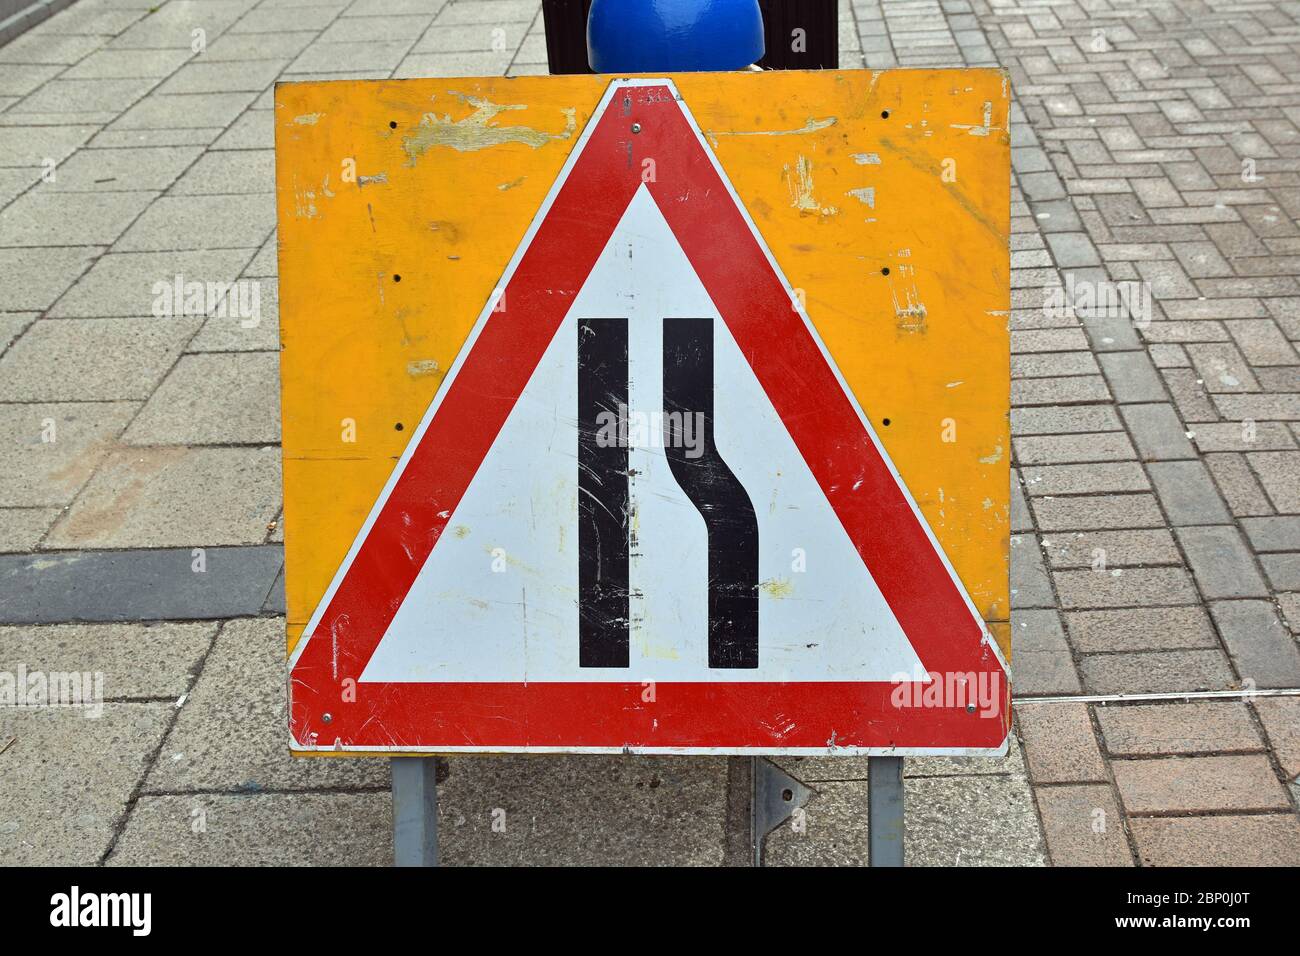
[664, 36]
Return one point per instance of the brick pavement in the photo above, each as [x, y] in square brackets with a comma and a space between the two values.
[1155, 510]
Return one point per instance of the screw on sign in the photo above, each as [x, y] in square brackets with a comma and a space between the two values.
[643, 467]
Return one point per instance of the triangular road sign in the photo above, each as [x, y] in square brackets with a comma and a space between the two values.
[644, 512]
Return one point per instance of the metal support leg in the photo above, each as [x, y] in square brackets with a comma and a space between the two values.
[885, 811]
[415, 811]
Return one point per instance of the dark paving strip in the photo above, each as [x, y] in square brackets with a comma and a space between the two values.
[151, 585]
[18, 16]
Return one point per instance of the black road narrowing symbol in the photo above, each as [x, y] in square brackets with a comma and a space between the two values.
[698, 468]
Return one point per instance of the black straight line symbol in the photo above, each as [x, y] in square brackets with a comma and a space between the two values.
[603, 602]
[712, 487]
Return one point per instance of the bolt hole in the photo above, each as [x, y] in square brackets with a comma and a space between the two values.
[885, 271]
[392, 124]
[787, 795]
[884, 114]
[396, 277]
[399, 426]
[884, 421]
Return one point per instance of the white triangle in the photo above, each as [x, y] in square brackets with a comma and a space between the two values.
[464, 621]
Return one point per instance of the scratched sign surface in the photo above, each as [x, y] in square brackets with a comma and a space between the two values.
[662, 414]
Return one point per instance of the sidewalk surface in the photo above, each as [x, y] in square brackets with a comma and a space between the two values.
[1156, 508]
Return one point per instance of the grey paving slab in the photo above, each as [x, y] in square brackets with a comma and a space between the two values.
[1157, 432]
[1261, 648]
[143, 283]
[255, 129]
[69, 777]
[255, 333]
[73, 96]
[45, 216]
[1157, 672]
[136, 660]
[117, 64]
[229, 172]
[150, 169]
[1187, 493]
[1030, 584]
[34, 278]
[145, 498]
[51, 450]
[137, 585]
[213, 399]
[202, 76]
[272, 829]
[92, 360]
[245, 747]
[12, 325]
[211, 110]
[21, 529]
[202, 222]
[974, 820]
[30, 146]
[1221, 562]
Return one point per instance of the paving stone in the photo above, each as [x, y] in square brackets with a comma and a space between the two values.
[1290, 606]
[349, 829]
[664, 811]
[1058, 449]
[212, 110]
[202, 222]
[1083, 479]
[101, 171]
[1060, 745]
[1271, 840]
[1243, 436]
[51, 450]
[1261, 648]
[1191, 784]
[258, 331]
[1281, 719]
[1262, 342]
[1124, 587]
[34, 278]
[1140, 629]
[30, 146]
[130, 283]
[80, 96]
[1197, 727]
[966, 820]
[1030, 585]
[1157, 432]
[229, 172]
[208, 750]
[136, 661]
[1103, 550]
[21, 529]
[146, 498]
[119, 64]
[1279, 473]
[1059, 419]
[1222, 367]
[77, 777]
[1187, 493]
[1273, 534]
[1221, 563]
[203, 77]
[137, 585]
[1157, 672]
[1132, 377]
[91, 360]
[1097, 512]
[213, 399]
[255, 129]
[1282, 570]
[1083, 826]
[1274, 407]
[1244, 495]
[1054, 391]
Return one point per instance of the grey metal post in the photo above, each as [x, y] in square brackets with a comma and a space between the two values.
[415, 811]
[885, 811]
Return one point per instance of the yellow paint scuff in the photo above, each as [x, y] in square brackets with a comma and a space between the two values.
[477, 130]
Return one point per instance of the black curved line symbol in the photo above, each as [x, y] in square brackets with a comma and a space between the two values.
[603, 601]
[714, 490]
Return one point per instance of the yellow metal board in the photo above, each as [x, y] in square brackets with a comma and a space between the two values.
[883, 197]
